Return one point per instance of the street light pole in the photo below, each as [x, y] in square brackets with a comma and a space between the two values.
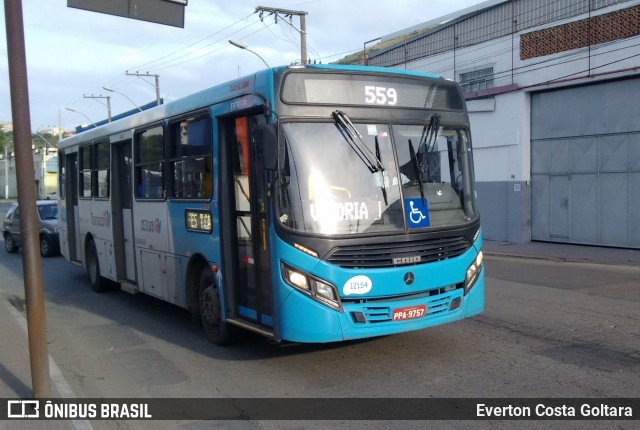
[123, 95]
[243, 46]
[78, 112]
[45, 140]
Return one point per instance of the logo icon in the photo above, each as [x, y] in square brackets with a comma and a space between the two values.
[409, 278]
[407, 260]
[103, 220]
[23, 409]
[416, 213]
[151, 225]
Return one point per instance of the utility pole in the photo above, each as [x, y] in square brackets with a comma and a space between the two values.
[147, 75]
[287, 13]
[31, 260]
[59, 124]
[108, 105]
[6, 172]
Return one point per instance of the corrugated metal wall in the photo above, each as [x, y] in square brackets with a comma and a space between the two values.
[585, 165]
[498, 21]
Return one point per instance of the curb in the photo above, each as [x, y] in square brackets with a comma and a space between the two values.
[557, 259]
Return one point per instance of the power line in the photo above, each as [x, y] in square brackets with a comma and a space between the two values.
[174, 61]
[219, 48]
[181, 50]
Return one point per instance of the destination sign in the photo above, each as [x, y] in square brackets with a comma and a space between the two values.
[198, 220]
[367, 90]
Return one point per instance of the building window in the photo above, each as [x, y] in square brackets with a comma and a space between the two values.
[149, 172]
[191, 161]
[477, 80]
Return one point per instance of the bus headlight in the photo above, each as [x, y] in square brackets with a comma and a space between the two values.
[317, 289]
[472, 272]
[296, 279]
[326, 293]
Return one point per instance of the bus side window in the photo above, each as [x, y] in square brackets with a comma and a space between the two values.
[149, 162]
[190, 158]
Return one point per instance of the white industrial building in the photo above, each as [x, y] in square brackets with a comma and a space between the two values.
[553, 90]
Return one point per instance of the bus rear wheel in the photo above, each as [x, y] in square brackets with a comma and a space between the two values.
[217, 331]
[93, 269]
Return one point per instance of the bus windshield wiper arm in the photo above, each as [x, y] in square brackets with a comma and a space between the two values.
[382, 184]
[428, 138]
[416, 169]
[356, 143]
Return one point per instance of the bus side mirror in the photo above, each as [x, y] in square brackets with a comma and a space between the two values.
[270, 146]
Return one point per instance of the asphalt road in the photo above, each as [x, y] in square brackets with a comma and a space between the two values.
[550, 329]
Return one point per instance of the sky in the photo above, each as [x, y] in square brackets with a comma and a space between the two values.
[73, 53]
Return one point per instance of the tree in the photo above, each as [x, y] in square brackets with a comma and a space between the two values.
[4, 140]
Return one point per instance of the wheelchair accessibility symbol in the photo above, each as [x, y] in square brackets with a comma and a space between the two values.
[416, 213]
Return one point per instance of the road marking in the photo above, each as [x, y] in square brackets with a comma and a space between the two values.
[57, 378]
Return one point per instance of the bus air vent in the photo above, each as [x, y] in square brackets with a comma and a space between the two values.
[395, 254]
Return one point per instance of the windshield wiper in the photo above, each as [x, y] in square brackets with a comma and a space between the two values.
[428, 139]
[356, 143]
[416, 170]
[382, 184]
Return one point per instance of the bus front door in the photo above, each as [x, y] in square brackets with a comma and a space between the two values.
[71, 200]
[246, 250]
[122, 205]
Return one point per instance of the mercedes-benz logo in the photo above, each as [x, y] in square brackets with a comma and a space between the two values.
[408, 278]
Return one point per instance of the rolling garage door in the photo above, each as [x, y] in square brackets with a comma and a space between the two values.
[585, 164]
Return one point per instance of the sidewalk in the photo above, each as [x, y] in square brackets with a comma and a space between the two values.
[15, 371]
[564, 252]
[15, 374]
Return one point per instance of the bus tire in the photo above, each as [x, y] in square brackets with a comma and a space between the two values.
[93, 269]
[210, 307]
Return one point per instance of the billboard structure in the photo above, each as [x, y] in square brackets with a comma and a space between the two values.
[167, 12]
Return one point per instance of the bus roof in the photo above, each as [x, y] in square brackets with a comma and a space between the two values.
[224, 91]
[389, 70]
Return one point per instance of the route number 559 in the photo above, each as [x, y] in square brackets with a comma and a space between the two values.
[380, 95]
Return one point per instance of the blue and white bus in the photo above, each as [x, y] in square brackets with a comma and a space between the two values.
[312, 203]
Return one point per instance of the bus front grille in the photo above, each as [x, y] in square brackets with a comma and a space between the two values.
[397, 254]
[378, 314]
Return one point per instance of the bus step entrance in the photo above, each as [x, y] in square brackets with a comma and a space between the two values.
[251, 327]
[129, 287]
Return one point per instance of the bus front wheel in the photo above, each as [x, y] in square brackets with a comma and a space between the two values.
[217, 330]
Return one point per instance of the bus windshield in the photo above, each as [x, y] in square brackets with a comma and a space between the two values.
[328, 187]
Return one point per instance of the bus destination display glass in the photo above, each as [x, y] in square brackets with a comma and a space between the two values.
[364, 90]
